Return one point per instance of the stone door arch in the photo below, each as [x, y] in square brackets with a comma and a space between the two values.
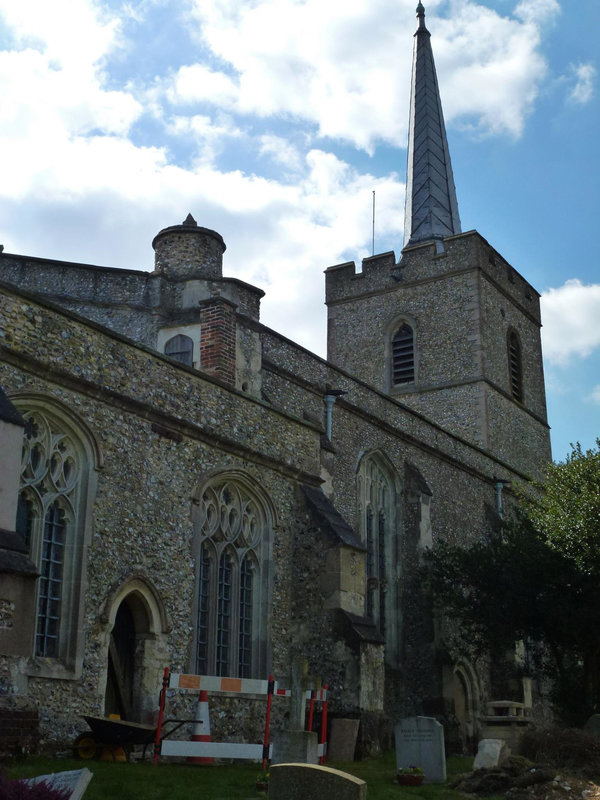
[135, 651]
[466, 705]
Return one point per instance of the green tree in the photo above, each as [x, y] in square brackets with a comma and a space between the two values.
[531, 582]
[567, 513]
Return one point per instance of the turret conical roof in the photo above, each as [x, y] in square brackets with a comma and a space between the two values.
[431, 210]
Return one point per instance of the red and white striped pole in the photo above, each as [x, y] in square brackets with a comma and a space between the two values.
[161, 713]
[323, 758]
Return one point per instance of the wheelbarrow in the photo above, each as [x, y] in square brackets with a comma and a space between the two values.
[113, 739]
[112, 736]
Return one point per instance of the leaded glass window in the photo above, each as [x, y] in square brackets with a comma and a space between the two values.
[246, 612]
[50, 583]
[49, 513]
[377, 525]
[224, 613]
[232, 579]
[204, 565]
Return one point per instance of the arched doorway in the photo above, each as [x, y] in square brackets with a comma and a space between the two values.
[120, 679]
[466, 705]
[136, 651]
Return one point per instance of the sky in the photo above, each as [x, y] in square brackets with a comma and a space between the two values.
[273, 121]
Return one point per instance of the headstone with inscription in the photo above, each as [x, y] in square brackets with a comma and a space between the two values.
[420, 743]
[74, 781]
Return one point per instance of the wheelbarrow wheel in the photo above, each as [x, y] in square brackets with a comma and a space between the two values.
[85, 747]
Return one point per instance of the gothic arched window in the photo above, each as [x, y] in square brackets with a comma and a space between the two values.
[55, 470]
[232, 579]
[515, 367]
[181, 348]
[403, 355]
[377, 503]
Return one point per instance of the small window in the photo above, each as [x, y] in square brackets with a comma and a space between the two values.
[514, 367]
[403, 355]
[181, 348]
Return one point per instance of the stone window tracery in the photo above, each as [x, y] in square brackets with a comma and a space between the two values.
[50, 517]
[232, 583]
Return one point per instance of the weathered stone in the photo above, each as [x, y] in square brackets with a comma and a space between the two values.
[420, 743]
[302, 781]
[490, 753]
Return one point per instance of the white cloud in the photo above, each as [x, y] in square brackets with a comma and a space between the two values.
[75, 35]
[280, 151]
[584, 77]
[342, 66]
[571, 319]
[537, 12]
[594, 396]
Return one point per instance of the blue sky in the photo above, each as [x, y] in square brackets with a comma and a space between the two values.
[272, 121]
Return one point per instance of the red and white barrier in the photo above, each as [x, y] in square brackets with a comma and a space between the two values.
[201, 749]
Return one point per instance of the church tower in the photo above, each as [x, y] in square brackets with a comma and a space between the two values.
[451, 329]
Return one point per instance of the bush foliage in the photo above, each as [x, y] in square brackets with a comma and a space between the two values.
[18, 789]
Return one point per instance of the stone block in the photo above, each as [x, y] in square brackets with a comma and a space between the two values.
[420, 743]
[490, 753]
[302, 781]
[296, 746]
[342, 739]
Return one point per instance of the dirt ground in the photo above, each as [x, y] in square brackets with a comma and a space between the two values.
[526, 782]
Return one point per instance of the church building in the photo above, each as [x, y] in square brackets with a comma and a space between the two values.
[182, 486]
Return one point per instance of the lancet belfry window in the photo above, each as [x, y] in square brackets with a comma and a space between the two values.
[181, 348]
[403, 355]
[377, 520]
[48, 517]
[232, 580]
[515, 368]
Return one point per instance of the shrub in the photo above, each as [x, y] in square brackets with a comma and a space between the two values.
[564, 748]
[14, 789]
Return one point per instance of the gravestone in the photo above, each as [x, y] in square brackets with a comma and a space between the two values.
[75, 781]
[294, 743]
[490, 752]
[342, 739]
[306, 781]
[420, 743]
[593, 725]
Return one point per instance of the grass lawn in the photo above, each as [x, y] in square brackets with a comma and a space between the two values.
[142, 781]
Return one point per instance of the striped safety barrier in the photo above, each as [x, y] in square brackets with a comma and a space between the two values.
[242, 686]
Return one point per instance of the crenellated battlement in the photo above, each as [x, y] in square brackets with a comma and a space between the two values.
[343, 280]
[429, 261]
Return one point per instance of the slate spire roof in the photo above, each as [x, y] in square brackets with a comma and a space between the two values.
[431, 210]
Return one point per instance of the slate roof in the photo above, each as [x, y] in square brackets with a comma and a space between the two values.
[8, 413]
[331, 518]
[431, 210]
[362, 628]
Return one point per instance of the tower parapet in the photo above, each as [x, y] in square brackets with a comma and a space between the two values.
[188, 251]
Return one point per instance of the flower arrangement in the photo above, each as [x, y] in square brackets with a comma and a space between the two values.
[409, 776]
[262, 781]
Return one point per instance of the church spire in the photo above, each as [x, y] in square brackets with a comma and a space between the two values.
[431, 210]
